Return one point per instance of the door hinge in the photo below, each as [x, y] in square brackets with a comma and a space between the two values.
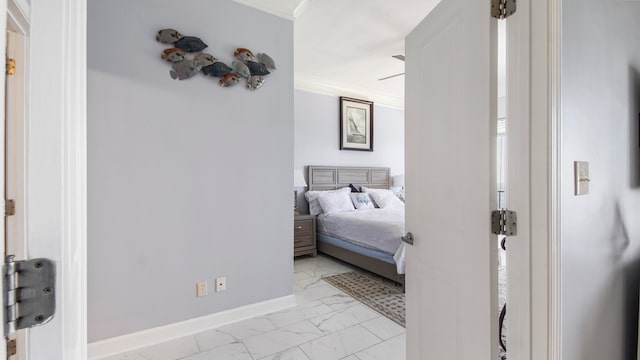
[9, 207]
[504, 222]
[12, 347]
[11, 66]
[29, 293]
[502, 9]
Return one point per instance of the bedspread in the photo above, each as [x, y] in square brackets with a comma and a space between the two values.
[378, 229]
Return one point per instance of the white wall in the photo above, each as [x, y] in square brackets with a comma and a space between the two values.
[601, 231]
[317, 133]
[187, 180]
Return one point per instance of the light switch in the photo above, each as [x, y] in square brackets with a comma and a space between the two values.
[581, 170]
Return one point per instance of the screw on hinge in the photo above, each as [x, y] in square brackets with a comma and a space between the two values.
[12, 347]
[11, 67]
[9, 207]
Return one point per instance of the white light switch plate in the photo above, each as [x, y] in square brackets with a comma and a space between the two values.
[581, 171]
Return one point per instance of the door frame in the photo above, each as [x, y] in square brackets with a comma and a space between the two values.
[15, 146]
[545, 106]
[58, 94]
[555, 138]
[518, 181]
[56, 165]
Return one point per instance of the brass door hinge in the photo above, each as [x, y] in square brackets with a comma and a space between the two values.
[11, 66]
[12, 347]
[9, 207]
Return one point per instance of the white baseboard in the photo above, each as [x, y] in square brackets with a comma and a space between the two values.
[125, 343]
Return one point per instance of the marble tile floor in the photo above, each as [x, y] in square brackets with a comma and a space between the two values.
[326, 324]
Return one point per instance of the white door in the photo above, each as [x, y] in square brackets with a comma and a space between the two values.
[450, 112]
[54, 164]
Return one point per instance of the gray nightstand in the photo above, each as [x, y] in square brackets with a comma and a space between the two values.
[304, 235]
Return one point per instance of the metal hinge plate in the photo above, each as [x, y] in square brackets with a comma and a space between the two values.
[11, 67]
[9, 207]
[502, 9]
[29, 293]
[12, 347]
[504, 222]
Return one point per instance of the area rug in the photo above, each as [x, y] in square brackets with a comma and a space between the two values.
[381, 295]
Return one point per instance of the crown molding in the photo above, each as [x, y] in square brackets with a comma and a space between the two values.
[268, 8]
[271, 7]
[302, 7]
[322, 86]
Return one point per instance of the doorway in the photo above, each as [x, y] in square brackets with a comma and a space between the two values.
[450, 105]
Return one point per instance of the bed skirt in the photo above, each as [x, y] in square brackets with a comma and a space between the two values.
[375, 261]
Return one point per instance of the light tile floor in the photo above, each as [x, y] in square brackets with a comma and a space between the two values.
[326, 324]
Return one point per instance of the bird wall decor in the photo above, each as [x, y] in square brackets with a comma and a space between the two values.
[186, 58]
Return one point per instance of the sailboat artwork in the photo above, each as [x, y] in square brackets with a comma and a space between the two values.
[356, 124]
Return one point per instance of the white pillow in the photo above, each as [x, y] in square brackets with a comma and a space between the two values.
[362, 201]
[314, 205]
[383, 197]
[372, 190]
[312, 199]
[333, 202]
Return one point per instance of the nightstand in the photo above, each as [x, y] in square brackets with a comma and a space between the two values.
[304, 235]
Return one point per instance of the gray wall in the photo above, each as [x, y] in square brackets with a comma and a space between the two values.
[317, 132]
[187, 180]
[601, 231]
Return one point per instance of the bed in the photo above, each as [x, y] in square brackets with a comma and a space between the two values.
[385, 254]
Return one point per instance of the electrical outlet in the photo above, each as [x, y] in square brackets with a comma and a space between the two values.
[221, 284]
[201, 289]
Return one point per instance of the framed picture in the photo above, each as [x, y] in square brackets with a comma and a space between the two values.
[356, 124]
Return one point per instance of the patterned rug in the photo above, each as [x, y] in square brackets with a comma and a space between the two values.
[381, 295]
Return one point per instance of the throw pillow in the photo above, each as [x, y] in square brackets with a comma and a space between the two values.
[362, 201]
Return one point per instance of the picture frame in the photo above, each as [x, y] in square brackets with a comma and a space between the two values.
[356, 124]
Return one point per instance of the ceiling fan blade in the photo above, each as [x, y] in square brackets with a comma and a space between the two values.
[399, 57]
[389, 77]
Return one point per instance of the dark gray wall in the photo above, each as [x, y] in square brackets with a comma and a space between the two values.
[187, 180]
[317, 136]
[601, 231]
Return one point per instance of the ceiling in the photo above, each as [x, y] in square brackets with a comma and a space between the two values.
[344, 47]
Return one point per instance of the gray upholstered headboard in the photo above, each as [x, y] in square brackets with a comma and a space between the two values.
[335, 177]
